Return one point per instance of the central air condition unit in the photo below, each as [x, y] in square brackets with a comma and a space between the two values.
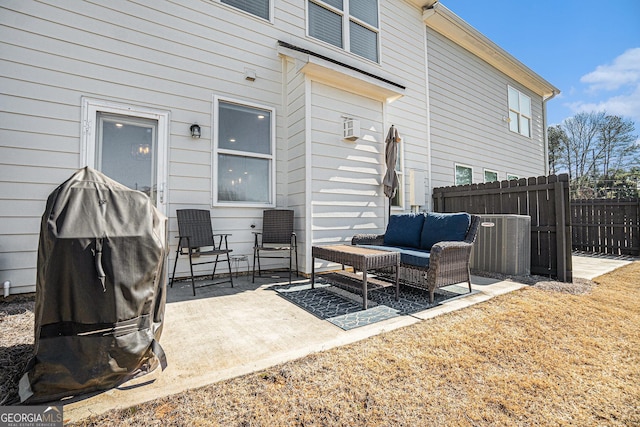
[503, 245]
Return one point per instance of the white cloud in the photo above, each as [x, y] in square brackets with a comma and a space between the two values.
[626, 105]
[625, 70]
[618, 85]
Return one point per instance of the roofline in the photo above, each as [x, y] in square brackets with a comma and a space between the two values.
[439, 18]
[327, 70]
[342, 64]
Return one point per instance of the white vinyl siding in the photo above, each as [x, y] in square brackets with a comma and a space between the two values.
[467, 110]
[147, 54]
[346, 187]
[174, 56]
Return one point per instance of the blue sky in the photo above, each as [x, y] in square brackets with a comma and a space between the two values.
[590, 50]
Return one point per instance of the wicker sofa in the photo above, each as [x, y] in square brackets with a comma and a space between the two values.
[434, 247]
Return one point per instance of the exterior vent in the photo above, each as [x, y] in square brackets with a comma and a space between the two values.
[503, 245]
[351, 129]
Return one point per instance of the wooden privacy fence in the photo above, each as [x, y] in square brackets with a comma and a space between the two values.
[545, 199]
[608, 226]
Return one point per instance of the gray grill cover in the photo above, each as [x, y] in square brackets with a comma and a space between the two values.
[100, 290]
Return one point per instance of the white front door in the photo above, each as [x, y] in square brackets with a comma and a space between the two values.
[128, 144]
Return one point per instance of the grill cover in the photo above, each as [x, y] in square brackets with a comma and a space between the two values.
[100, 289]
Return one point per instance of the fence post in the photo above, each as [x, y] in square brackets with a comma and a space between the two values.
[563, 245]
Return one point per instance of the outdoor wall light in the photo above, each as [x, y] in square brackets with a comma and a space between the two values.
[195, 131]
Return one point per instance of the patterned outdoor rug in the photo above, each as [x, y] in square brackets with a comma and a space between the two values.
[344, 308]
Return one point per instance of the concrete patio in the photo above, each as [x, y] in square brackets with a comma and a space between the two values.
[225, 332]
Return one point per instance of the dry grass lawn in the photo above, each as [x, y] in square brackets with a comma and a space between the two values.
[532, 357]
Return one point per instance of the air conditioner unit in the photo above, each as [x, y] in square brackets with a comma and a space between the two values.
[351, 130]
[503, 245]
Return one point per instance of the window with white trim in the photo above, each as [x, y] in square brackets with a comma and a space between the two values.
[519, 112]
[259, 8]
[512, 177]
[348, 24]
[490, 176]
[243, 155]
[464, 175]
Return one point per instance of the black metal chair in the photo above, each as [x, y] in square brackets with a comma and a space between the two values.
[196, 239]
[277, 239]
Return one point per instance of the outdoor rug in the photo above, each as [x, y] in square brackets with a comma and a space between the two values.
[344, 308]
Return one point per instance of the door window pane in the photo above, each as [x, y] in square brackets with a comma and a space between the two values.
[126, 151]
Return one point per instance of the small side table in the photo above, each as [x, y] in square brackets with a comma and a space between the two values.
[237, 259]
[361, 259]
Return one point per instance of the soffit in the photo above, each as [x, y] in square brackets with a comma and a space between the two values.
[342, 76]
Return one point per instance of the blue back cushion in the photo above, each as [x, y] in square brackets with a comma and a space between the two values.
[404, 230]
[444, 227]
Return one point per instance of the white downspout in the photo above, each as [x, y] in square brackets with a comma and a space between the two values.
[7, 288]
[429, 205]
[545, 133]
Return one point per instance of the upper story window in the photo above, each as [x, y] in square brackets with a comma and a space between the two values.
[348, 24]
[464, 175]
[519, 112]
[243, 157]
[259, 8]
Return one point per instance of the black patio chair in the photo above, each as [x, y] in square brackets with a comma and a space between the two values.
[196, 239]
[277, 239]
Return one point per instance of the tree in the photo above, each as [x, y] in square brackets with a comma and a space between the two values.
[557, 149]
[582, 131]
[594, 148]
[618, 144]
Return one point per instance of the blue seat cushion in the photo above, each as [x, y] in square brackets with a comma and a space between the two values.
[410, 256]
[404, 230]
[444, 227]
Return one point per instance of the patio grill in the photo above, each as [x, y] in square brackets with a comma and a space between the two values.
[100, 289]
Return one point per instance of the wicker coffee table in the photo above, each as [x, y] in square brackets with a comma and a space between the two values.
[361, 259]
